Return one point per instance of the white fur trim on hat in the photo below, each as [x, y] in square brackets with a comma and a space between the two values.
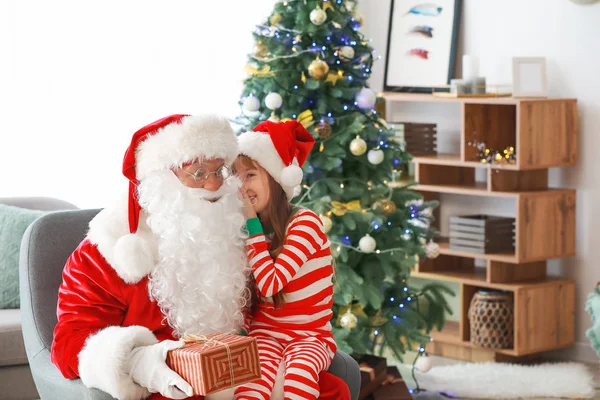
[259, 147]
[103, 360]
[132, 256]
[204, 136]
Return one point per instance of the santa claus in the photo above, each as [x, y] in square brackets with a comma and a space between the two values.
[164, 261]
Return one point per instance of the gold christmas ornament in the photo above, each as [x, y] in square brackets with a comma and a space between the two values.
[318, 69]
[260, 50]
[323, 129]
[326, 5]
[275, 18]
[327, 223]
[318, 16]
[348, 320]
[388, 207]
[358, 146]
[334, 76]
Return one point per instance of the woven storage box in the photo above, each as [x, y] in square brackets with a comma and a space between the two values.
[482, 234]
[419, 139]
[491, 317]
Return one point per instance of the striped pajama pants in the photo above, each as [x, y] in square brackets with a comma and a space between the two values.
[304, 358]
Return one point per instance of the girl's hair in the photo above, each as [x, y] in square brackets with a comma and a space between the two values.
[278, 214]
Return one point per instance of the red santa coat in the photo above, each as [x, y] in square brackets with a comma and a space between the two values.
[105, 311]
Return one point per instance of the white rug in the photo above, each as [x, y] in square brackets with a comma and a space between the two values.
[509, 381]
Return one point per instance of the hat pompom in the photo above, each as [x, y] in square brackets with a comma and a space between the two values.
[297, 191]
[133, 258]
[291, 176]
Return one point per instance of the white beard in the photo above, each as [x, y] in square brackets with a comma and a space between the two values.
[200, 280]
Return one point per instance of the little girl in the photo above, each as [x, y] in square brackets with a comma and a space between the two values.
[291, 262]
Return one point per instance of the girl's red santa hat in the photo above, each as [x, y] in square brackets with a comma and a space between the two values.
[281, 148]
[162, 145]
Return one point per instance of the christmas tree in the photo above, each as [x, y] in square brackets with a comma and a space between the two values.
[311, 63]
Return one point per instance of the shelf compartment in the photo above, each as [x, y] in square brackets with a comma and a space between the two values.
[455, 161]
[495, 125]
[501, 272]
[547, 133]
[544, 320]
[517, 181]
[545, 227]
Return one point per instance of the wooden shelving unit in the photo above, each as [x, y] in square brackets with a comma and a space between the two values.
[544, 134]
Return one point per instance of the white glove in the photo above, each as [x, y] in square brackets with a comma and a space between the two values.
[147, 367]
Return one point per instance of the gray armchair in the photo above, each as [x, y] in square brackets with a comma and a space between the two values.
[47, 244]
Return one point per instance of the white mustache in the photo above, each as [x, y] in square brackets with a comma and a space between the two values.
[209, 194]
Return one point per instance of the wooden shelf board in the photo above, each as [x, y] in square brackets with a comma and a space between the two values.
[478, 278]
[451, 334]
[502, 257]
[454, 161]
[478, 189]
[430, 98]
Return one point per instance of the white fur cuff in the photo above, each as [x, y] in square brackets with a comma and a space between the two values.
[103, 358]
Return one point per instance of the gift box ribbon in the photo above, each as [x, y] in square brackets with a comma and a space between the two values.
[211, 341]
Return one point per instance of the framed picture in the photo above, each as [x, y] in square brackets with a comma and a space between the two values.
[422, 40]
[529, 77]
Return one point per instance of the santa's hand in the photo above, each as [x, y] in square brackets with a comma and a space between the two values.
[147, 367]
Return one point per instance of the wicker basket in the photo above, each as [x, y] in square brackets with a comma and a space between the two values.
[491, 318]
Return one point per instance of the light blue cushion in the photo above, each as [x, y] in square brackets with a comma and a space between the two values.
[13, 223]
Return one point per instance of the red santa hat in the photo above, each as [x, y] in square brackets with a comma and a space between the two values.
[171, 142]
[281, 148]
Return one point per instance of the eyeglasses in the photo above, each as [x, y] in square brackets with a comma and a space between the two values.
[201, 175]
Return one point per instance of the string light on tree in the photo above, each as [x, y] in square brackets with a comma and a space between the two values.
[366, 99]
[318, 69]
[318, 16]
[358, 146]
[375, 156]
[348, 320]
[367, 244]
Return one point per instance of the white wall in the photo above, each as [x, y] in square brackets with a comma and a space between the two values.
[77, 78]
[567, 35]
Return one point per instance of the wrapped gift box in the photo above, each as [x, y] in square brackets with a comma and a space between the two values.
[372, 374]
[216, 362]
[393, 387]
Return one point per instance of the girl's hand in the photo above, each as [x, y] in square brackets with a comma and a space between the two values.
[247, 206]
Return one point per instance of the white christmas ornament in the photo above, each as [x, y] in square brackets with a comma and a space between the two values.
[423, 364]
[318, 16]
[327, 223]
[348, 320]
[251, 104]
[273, 101]
[367, 244]
[366, 98]
[347, 52]
[375, 156]
[432, 250]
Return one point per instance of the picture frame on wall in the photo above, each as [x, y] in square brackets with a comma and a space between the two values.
[421, 48]
[529, 77]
